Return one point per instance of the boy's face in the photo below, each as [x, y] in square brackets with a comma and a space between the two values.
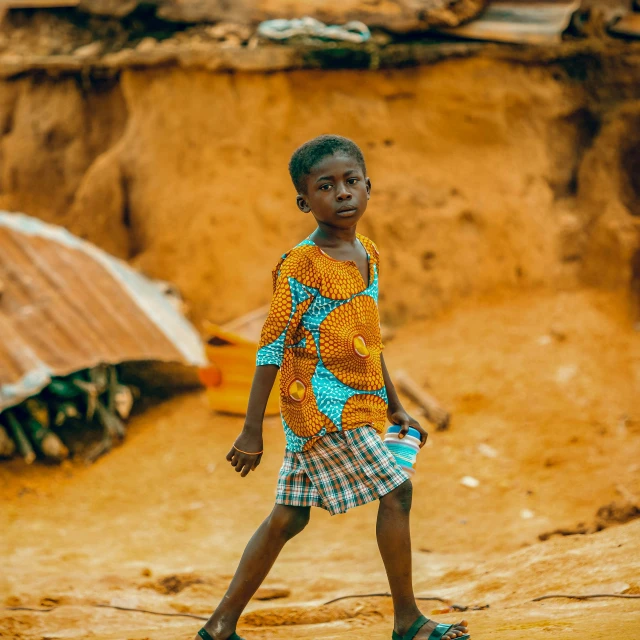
[337, 192]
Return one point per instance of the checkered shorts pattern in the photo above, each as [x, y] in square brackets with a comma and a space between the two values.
[342, 470]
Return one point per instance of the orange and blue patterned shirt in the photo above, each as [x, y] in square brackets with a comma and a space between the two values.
[323, 331]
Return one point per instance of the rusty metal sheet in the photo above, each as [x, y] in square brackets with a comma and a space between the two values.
[519, 22]
[628, 25]
[66, 305]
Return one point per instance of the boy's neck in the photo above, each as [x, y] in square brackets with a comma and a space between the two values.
[330, 236]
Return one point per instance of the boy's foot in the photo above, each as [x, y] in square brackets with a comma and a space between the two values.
[220, 633]
[457, 631]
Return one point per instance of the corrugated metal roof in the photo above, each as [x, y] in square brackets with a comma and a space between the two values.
[66, 305]
[519, 22]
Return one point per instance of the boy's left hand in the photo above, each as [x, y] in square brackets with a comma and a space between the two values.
[402, 418]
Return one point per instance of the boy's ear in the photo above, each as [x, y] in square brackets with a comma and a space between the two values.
[368, 183]
[303, 205]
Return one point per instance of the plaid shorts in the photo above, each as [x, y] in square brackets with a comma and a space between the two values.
[342, 470]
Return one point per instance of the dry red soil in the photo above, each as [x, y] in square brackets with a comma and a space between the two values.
[548, 381]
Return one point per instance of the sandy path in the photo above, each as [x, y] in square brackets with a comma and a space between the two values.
[564, 418]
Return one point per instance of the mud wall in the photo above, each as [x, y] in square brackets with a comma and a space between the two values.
[486, 173]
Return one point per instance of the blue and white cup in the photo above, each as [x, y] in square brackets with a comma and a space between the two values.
[405, 450]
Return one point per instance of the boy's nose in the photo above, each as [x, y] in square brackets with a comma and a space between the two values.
[342, 193]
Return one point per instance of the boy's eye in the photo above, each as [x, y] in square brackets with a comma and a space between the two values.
[352, 180]
[325, 187]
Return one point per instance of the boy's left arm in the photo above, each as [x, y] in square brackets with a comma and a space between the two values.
[396, 412]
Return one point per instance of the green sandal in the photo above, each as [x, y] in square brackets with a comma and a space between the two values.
[436, 634]
[206, 636]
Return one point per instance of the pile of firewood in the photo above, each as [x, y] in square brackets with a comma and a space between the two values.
[49, 425]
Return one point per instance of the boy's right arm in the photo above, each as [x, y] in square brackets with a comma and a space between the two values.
[250, 439]
[281, 323]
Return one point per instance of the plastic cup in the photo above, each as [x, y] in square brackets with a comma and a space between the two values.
[404, 450]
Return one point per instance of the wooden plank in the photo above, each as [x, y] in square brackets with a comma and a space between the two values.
[432, 409]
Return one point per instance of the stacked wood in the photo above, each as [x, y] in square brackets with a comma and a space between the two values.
[7, 445]
[36, 425]
[22, 443]
[86, 400]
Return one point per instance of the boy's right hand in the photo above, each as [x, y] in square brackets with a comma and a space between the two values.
[246, 453]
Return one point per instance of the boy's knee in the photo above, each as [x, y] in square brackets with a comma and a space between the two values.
[399, 498]
[289, 521]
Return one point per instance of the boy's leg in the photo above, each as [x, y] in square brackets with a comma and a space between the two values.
[394, 542]
[283, 523]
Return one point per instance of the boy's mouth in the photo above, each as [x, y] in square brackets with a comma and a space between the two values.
[346, 211]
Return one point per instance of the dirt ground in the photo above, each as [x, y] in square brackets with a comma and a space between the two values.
[545, 383]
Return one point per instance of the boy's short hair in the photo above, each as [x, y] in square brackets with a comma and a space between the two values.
[304, 158]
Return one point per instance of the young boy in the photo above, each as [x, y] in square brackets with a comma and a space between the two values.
[323, 333]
